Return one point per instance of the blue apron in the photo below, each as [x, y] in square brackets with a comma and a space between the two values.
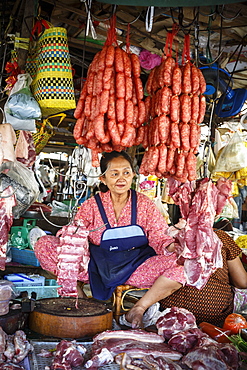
[122, 249]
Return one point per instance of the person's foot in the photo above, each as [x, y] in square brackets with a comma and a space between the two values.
[134, 316]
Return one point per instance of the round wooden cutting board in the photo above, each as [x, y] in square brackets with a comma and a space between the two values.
[61, 318]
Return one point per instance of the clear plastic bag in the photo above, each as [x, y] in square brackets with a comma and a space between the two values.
[21, 109]
[23, 182]
[233, 156]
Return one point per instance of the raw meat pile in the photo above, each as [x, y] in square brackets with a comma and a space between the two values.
[13, 349]
[7, 201]
[174, 109]
[73, 248]
[110, 112]
[67, 355]
[199, 248]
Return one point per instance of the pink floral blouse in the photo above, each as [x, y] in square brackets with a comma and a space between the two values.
[148, 217]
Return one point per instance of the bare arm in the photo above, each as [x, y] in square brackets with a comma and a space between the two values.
[237, 273]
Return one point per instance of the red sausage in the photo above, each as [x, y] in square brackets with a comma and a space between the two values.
[168, 70]
[120, 109]
[195, 107]
[104, 101]
[175, 108]
[202, 82]
[128, 136]
[127, 64]
[119, 63]
[157, 100]
[87, 109]
[107, 75]
[177, 81]
[185, 108]
[191, 166]
[162, 158]
[129, 112]
[95, 158]
[153, 159]
[138, 88]
[185, 137]
[128, 88]
[145, 139]
[77, 131]
[90, 130]
[186, 79]
[121, 128]
[102, 56]
[135, 64]
[141, 113]
[143, 167]
[90, 81]
[111, 114]
[100, 134]
[170, 159]
[164, 128]
[110, 56]
[165, 100]
[149, 82]
[193, 135]
[180, 159]
[147, 103]
[140, 135]
[114, 131]
[120, 85]
[195, 81]
[94, 65]
[175, 135]
[99, 82]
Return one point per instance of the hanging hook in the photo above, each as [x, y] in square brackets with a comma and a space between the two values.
[149, 18]
[226, 18]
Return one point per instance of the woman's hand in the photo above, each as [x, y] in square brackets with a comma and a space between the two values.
[171, 248]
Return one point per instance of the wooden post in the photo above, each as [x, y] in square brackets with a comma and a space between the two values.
[27, 25]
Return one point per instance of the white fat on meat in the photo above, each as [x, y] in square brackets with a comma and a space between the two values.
[73, 253]
[103, 358]
[25, 149]
[135, 334]
[7, 202]
[174, 320]
[199, 247]
[8, 141]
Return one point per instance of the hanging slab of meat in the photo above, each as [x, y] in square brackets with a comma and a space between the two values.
[174, 320]
[25, 149]
[73, 253]
[213, 356]
[7, 201]
[8, 141]
[199, 247]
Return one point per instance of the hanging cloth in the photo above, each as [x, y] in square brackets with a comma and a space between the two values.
[122, 249]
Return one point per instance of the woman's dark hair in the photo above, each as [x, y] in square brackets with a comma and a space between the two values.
[106, 159]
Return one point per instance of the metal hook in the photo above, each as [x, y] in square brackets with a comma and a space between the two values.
[226, 18]
[208, 15]
[149, 18]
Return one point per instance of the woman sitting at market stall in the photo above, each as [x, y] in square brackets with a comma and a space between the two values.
[129, 224]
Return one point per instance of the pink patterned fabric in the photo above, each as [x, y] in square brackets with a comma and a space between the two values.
[148, 217]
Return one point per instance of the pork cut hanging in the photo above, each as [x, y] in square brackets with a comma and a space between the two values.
[199, 248]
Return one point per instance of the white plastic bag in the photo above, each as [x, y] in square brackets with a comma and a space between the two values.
[21, 109]
[162, 207]
[233, 156]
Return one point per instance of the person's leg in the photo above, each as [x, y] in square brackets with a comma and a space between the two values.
[162, 287]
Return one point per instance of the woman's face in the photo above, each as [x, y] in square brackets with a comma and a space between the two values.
[118, 176]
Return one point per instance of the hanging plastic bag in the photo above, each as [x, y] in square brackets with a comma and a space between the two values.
[21, 109]
[162, 207]
[233, 156]
[230, 209]
[24, 185]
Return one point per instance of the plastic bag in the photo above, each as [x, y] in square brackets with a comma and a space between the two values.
[21, 109]
[59, 209]
[162, 207]
[230, 209]
[24, 185]
[233, 156]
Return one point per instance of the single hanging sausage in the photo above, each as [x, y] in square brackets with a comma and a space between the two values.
[177, 81]
[164, 128]
[127, 64]
[195, 101]
[129, 112]
[185, 137]
[165, 100]
[149, 82]
[202, 82]
[162, 158]
[104, 101]
[128, 88]
[95, 158]
[180, 161]
[186, 79]
[153, 159]
[141, 113]
[135, 64]
[99, 128]
[185, 108]
[110, 56]
[170, 158]
[168, 71]
[119, 63]
[111, 113]
[202, 109]
[120, 109]
[147, 103]
[120, 85]
[175, 108]
[195, 79]
[102, 57]
[128, 136]
[175, 135]
[139, 135]
[114, 131]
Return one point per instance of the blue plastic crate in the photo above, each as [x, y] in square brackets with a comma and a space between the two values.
[24, 256]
